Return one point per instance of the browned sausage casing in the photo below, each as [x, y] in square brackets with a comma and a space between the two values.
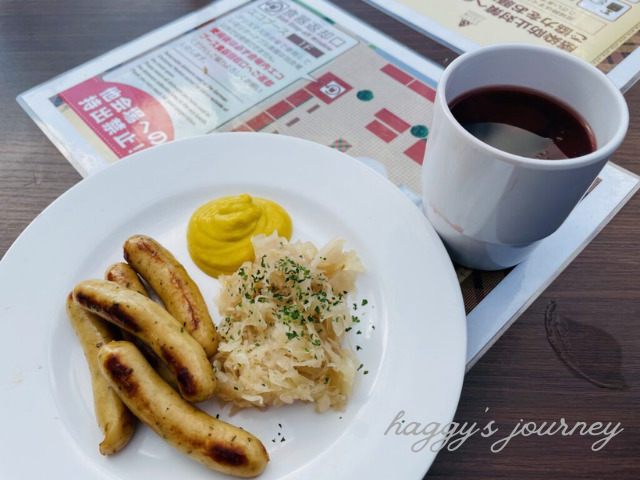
[113, 417]
[214, 443]
[152, 324]
[125, 276]
[174, 286]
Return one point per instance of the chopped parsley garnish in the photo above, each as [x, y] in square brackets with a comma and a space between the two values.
[291, 293]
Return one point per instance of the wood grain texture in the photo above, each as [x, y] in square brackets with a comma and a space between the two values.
[519, 378]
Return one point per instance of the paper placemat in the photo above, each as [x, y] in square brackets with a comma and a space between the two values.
[305, 69]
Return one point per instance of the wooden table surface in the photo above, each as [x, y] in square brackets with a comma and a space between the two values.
[519, 379]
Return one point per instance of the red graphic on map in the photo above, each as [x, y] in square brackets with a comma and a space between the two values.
[329, 87]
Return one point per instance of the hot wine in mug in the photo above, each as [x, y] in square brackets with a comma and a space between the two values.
[524, 122]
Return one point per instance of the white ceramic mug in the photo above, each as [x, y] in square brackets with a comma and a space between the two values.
[491, 208]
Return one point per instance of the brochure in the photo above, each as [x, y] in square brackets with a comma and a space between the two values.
[602, 32]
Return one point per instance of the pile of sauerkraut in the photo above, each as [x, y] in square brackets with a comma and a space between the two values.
[284, 319]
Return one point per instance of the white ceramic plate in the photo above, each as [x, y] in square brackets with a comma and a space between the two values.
[413, 334]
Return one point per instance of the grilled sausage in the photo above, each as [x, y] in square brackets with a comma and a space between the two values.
[113, 417]
[152, 324]
[214, 443]
[174, 286]
[125, 276]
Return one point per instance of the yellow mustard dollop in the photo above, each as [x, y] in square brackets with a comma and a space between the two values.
[219, 232]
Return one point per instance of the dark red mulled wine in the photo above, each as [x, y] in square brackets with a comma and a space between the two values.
[524, 122]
